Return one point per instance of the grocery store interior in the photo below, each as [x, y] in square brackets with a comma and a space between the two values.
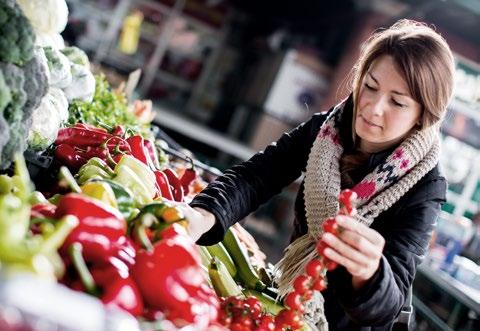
[228, 77]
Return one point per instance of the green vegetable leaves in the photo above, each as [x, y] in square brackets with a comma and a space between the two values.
[108, 107]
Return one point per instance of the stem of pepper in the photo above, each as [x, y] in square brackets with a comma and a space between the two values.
[140, 231]
[117, 150]
[111, 162]
[75, 252]
[105, 126]
[146, 221]
[62, 229]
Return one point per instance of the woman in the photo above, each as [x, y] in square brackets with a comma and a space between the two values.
[383, 143]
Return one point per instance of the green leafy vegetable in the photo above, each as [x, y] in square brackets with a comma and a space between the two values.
[108, 107]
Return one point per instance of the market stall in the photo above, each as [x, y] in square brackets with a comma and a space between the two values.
[91, 235]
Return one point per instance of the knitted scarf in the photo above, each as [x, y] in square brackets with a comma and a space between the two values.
[377, 192]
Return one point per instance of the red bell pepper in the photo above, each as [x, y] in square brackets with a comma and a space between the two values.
[68, 156]
[170, 279]
[138, 149]
[176, 184]
[163, 185]
[152, 152]
[118, 289]
[101, 228]
[188, 177]
[112, 283]
[118, 131]
[100, 248]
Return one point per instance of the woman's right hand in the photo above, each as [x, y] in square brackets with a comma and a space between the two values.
[199, 220]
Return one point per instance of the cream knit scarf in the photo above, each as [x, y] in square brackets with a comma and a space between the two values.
[377, 192]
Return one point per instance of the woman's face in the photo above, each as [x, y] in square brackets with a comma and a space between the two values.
[386, 112]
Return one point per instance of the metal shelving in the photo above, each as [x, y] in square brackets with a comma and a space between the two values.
[102, 44]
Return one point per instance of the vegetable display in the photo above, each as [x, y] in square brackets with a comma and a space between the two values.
[105, 222]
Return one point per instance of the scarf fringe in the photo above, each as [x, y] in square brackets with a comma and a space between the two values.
[293, 263]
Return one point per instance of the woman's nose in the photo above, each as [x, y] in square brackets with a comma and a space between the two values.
[378, 105]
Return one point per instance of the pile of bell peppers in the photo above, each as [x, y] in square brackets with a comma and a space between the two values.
[77, 145]
[130, 247]
[171, 280]
[147, 266]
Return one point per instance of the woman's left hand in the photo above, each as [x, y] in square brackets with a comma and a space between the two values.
[356, 247]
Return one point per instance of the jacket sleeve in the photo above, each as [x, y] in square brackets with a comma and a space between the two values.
[407, 236]
[244, 187]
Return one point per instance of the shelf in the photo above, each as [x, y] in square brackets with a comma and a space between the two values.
[171, 79]
[91, 10]
[191, 129]
[154, 5]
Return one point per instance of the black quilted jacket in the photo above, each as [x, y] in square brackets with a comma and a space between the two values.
[407, 226]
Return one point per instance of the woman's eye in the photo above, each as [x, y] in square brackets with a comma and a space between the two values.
[371, 88]
[398, 104]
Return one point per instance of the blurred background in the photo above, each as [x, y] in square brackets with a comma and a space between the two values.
[229, 77]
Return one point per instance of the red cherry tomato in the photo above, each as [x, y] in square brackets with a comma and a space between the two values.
[267, 323]
[301, 284]
[288, 318]
[314, 268]
[319, 284]
[321, 245]
[293, 300]
[331, 265]
[255, 307]
[330, 225]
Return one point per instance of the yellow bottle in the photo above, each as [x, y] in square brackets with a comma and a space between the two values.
[130, 34]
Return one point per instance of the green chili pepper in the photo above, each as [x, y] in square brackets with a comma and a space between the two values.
[6, 184]
[101, 164]
[90, 172]
[66, 179]
[14, 219]
[54, 199]
[37, 197]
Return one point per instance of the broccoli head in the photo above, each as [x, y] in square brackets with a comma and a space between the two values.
[16, 34]
[13, 113]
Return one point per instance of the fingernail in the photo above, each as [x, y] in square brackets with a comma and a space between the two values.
[327, 236]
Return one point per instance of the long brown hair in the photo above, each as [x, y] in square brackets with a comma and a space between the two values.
[426, 63]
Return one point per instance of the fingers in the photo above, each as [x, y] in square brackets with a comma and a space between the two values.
[348, 223]
[344, 249]
[353, 267]
[356, 247]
